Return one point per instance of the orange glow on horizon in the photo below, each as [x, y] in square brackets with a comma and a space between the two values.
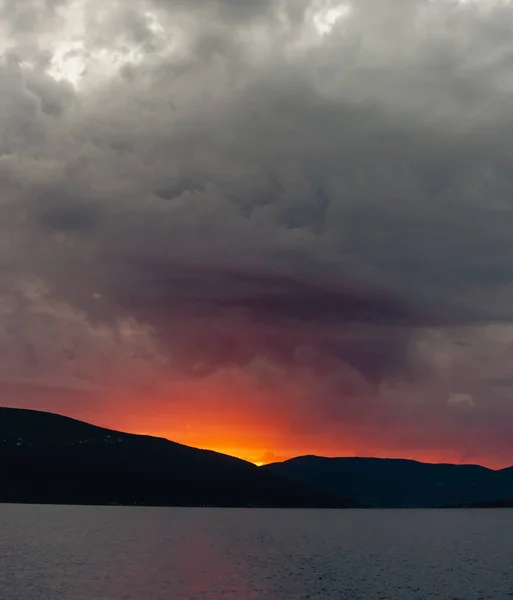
[255, 445]
[236, 444]
[261, 427]
[260, 455]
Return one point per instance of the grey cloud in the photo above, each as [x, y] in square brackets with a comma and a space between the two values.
[61, 211]
[223, 168]
[501, 382]
[54, 99]
[267, 296]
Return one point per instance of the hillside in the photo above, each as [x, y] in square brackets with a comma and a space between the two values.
[47, 458]
[399, 483]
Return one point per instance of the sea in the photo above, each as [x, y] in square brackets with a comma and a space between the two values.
[139, 553]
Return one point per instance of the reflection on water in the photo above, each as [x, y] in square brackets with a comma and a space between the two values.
[115, 553]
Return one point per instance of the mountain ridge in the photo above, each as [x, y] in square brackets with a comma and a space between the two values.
[50, 458]
[381, 458]
[396, 482]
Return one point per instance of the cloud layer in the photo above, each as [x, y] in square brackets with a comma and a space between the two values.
[303, 205]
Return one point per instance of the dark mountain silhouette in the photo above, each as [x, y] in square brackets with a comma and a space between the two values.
[48, 458]
[400, 483]
[496, 504]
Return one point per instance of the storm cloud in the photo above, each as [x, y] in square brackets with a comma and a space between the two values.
[310, 197]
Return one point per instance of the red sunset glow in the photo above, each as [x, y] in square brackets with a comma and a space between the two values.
[264, 426]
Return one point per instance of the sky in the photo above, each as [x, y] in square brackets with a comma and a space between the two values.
[266, 227]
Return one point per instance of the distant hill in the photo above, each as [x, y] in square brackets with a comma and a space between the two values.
[496, 504]
[48, 458]
[400, 483]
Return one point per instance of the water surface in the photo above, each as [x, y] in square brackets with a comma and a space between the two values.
[116, 553]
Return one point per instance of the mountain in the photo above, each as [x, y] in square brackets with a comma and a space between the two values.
[496, 504]
[400, 483]
[48, 458]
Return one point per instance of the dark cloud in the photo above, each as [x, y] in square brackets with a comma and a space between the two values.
[269, 457]
[302, 191]
[58, 211]
[264, 295]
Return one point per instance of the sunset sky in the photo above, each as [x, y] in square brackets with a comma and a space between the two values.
[266, 227]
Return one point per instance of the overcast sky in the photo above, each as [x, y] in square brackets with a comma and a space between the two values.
[271, 225]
